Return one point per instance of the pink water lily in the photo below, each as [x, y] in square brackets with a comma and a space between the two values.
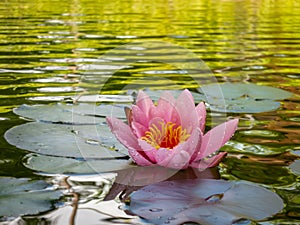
[171, 133]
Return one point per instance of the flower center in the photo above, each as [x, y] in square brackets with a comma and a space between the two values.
[167, 135]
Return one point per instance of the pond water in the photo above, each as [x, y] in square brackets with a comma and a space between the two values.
[53, 53]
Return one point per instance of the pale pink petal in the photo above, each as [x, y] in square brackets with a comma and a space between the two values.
[180, 156]
[185, 107]
[201, 112]
[157, 121]
[192, 144]
[170, 159]
[139, 116]
[196, 143]
[138, 158]
[214, 139]
[124, 134]
[189, 94]
[144, 102]
[138, 129]
[148, 149]
[165, 107]
[209, 162]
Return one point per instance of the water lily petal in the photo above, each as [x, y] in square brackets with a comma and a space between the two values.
[214, 139]
[195, 140]
[201, 112]
[148, 149]
[138, 158]
[165, 107]
[170, 159]
[209, 162]
[144, 102]
[185, 107]
[138, 129]
[180, 156]
[124, 134]
[192, 143]
[139, 116]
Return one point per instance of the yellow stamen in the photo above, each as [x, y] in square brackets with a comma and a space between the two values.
[168, 135]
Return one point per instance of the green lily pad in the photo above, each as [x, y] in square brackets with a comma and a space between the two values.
[65, 140]
[71, 114]
[242, 105]
[236, 90]
[25, 196]
[105, 98]
[62, 165]
[242, 97]
[85, 98]
[295, 166]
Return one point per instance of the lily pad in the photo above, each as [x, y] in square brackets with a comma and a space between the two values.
[85, 98]
[242, 97]
[204, 201]
[235, 90]
[105, 98]
[25, 196]
[243, 105]
[70, 114]
[65, 140]
[295, 166]
[62, 165]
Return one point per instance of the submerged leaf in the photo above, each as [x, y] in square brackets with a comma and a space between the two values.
[204, 201]
[24, 196]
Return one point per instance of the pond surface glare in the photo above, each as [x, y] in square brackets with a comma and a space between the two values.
[57, 52]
